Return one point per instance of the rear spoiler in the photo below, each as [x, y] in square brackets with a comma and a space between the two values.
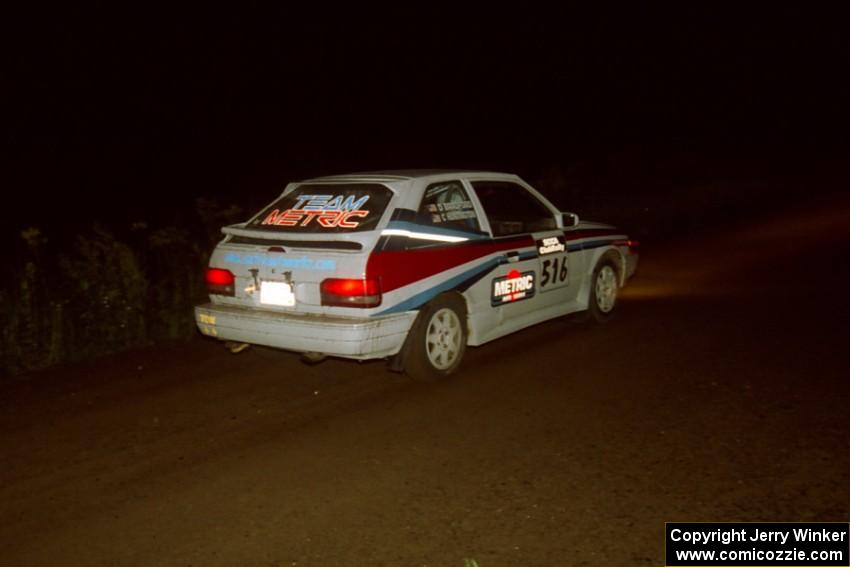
[240, 235]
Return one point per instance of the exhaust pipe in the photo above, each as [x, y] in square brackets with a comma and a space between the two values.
[313, 357]
[235, 347]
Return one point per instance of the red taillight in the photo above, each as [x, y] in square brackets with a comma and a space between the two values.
[351, 293]
[220, 281]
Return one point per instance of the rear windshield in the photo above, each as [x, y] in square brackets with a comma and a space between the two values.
[326, 208]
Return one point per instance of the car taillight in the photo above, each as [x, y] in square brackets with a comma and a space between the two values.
[340, 292]
[220, 281]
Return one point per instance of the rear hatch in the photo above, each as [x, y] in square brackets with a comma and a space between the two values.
[306, 252]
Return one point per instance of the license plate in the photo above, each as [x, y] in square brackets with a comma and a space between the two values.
[277, 293]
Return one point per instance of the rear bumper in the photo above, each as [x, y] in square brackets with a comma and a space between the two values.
[348, 337]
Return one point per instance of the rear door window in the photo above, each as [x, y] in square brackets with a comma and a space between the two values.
[447, 205]
[326, 208]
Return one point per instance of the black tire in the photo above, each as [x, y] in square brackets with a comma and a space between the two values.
[436, 343]
[604, 289]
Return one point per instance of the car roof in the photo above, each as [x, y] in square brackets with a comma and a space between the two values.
[406, 174]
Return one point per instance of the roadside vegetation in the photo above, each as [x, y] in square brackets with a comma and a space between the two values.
[101, 290]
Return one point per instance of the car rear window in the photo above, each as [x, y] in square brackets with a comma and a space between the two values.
[326, 208]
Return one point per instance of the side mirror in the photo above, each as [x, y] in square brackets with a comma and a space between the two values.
[569, 220]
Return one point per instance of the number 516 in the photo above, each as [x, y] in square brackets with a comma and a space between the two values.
[554, 271]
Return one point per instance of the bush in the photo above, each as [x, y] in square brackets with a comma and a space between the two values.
[101, 292]
[31, 320]
[104, 294]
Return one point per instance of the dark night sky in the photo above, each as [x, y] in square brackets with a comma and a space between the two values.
[167, 106]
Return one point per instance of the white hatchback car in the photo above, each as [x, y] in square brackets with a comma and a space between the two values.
[408, 265]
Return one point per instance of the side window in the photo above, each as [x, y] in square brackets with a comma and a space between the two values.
[446, 204]
[511, 209]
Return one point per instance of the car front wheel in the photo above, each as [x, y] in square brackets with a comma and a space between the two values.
[437, 341]
[604, 288]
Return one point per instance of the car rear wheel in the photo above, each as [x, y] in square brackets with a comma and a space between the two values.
[437, 341]
[604, 288]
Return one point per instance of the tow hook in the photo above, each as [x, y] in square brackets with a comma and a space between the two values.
[235, 347]
[313, 357]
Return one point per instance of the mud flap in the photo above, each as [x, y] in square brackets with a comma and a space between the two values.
[396, 363]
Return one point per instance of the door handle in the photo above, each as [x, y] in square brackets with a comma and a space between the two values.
[512, 256]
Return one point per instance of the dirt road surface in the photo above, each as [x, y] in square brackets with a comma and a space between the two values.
[719, 393]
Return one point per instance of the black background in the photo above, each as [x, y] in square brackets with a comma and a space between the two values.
[132, 113]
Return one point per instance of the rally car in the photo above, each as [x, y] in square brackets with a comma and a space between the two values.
[412, 266]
